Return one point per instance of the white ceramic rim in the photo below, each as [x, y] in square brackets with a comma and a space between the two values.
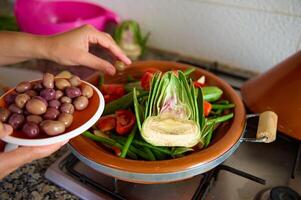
[65, 136]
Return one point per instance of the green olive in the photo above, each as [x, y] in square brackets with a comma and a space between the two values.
[51, 127]
[21, 100]
[36, 106]
[80, 103]
[67, 119]
[62, 83]
[87, 91]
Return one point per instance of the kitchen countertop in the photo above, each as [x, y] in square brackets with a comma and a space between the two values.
[28, 181]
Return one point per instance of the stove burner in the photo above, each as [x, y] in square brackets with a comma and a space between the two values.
[278, 193]
[284, 193]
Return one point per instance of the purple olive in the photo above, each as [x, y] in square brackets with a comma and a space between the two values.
[67, 108]
[34, 118]
[21, 100]
[31, 129]
[15, 109]
[48, 94]
[31, 93]
[10, 98]
[80, 103]
[23, 86]
[51, 113]
[37, 86]
[75, 81]
[73, 92]
[54, 104]
[36, 106]
[48, 80]
[4, 114]
[58, 94]
[16, 120]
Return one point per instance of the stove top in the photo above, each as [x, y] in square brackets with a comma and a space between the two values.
[251, 170]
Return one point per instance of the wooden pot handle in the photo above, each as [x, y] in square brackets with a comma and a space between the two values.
[267, 126]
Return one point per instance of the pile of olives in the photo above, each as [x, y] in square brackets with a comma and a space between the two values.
[45, 106]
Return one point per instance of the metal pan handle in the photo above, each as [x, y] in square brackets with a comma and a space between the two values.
[267, 127]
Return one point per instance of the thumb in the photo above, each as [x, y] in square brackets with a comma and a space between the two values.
[5, 130]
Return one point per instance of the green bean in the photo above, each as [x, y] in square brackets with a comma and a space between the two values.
[107, 141]
[188, 71]
[149, 153]
[130, 78]
[100, 80]
[142, 143]
[159, 155]
[132, 148]
[222, 106]
[128, 142]
[129, 86]
[220, 119]
[122, 103]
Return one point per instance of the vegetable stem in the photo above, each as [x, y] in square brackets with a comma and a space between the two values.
[188, 71]
[137, 109]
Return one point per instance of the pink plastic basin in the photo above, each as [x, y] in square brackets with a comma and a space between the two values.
[46, 17]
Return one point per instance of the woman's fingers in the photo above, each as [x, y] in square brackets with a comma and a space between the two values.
[90, 60]
[106, 41]
[5, 130]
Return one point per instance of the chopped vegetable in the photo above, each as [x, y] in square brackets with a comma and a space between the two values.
[123, 102]
[112, 91]
[207, 108]
[172, 115]
[106, 123]
[125, 121]
[147, 78]
[211, 93]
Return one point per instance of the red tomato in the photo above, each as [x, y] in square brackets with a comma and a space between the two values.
[207, 108]
[106, 123]
[125, 121]
[147, 78]
[198, 84]
[116, 150]
[112, 91]
[115, 89]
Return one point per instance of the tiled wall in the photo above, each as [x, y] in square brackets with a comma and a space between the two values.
[251, 34]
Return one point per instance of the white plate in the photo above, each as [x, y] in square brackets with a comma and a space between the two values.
[64, 136]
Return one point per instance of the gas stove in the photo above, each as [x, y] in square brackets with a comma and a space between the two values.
[250, 173]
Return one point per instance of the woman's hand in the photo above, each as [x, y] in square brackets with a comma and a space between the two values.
[72, 48]
[10, 161]
[69, 48]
